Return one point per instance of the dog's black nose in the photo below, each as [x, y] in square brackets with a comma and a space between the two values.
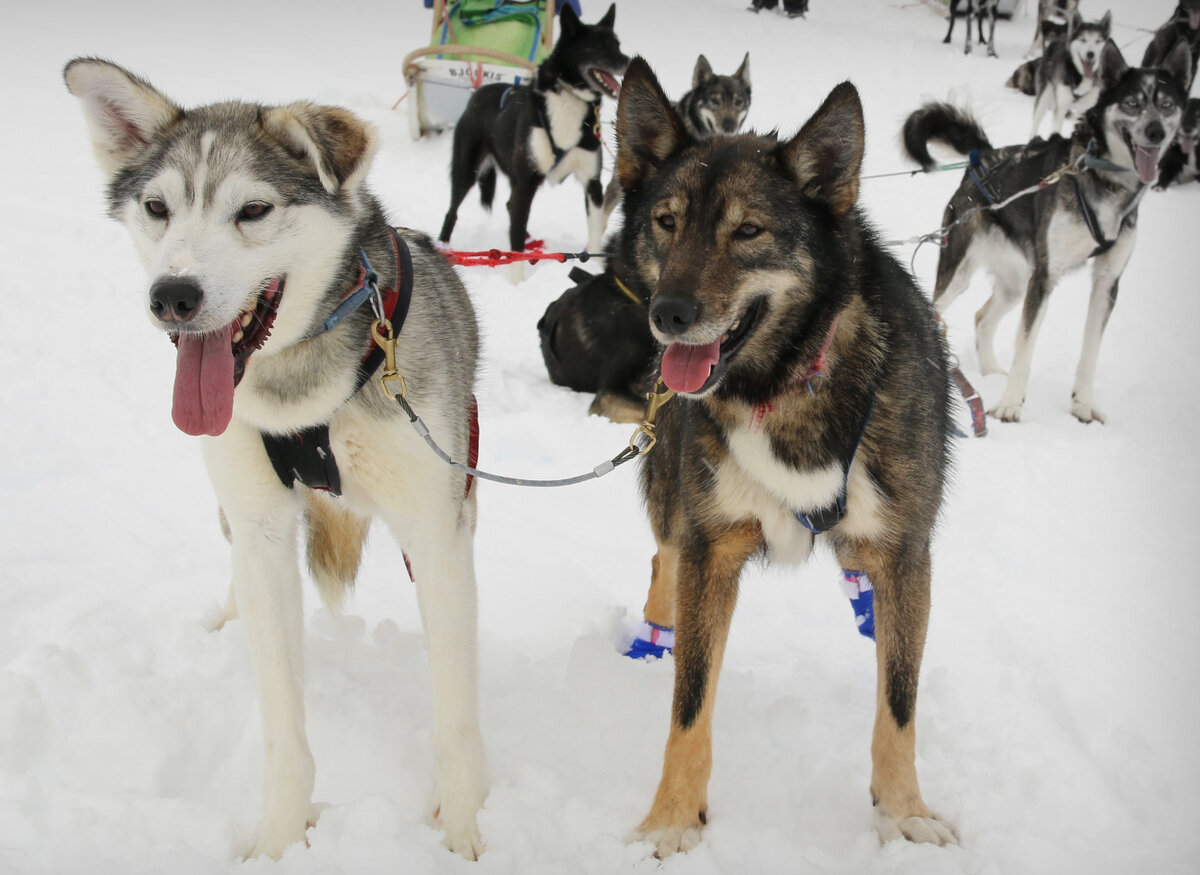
[175, 299]
[674, 314]
[1155, 133]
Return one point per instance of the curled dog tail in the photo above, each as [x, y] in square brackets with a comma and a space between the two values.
[947, 123]
[335, 542]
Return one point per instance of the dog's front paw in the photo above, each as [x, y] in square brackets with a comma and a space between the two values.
[925, 829]
[273, 841]
[668, 840]
[1086, 412]
[463, 840]
[1006, 412]
[460, 828]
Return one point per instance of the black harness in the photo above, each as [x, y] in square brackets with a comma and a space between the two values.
[980, 172]
[1103, 244]
[825, 518]
[306, 455]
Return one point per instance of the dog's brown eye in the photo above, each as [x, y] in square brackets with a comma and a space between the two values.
[254, 210]
[666, 222]
[156, 208]
[747, 231]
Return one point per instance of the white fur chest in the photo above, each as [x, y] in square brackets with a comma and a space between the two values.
[565, 115]
[754, 483]
[1070, 240]
[803, 490]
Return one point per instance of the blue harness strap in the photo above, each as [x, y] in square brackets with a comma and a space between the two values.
[979, 173]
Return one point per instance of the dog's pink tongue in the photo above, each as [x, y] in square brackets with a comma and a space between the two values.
[203, 401]
[1187, 144]
[686, 368]
[1146, 162]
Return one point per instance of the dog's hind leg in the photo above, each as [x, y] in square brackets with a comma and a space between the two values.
[1033, 313]
[487, 184]
[1010, 282]
[263, 524]
[1106, 274]
[465, 165]
[707, 591]
[900, 574]
[987, 318]
[955, 268]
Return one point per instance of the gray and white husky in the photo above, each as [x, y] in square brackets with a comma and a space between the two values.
[1065, 82]
[254, 223]
[716, 104]
[1090, 213]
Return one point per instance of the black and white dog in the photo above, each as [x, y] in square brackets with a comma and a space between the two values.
[1182, 162]
[545, 131]
[1088, 213]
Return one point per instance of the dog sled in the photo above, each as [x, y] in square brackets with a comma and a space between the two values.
[474, 43]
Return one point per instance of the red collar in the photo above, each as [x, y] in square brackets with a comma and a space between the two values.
[817, 368]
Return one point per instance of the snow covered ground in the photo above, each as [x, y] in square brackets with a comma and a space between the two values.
[1056, 725]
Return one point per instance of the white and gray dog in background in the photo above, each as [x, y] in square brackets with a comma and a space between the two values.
[1066, 81]
[260, 240]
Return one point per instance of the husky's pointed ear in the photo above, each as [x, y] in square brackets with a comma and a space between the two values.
[610, 17]
[1112, 65]
[335, 144]
[1073, 25]
[1106, 24]
[648, 129]
[826, 156]
[1178, 63]
[123, 112]
[568, 21]
[743, 72]
[703, 71]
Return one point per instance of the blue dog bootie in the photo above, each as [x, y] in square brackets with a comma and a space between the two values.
[857, 587]
[651, 640]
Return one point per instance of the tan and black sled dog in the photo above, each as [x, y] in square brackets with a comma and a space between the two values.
[812, 398]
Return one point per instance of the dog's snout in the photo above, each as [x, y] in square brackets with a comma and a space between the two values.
[175, 299]
[1155, 132]
[674, 314]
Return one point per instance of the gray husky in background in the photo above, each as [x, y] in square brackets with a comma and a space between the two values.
[1066, 82]
[1034, 241]
[254, 224]
[716, 104]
